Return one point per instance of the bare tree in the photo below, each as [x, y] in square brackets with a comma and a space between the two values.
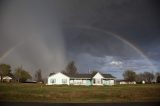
[93, 72]
[140, 77]
[71, 68]
[38, 75]
[157, 73]
[148, 76]
[157, 77]
[129, 75]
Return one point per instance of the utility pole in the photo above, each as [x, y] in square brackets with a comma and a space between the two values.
[89, 71]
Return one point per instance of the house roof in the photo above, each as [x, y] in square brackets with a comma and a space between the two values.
[51, 74]
[107, 76]
[88, 75]
[85, 75]
[79, 75]
[104, 75]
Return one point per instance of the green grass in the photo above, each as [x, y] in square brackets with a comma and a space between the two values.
[79, 94]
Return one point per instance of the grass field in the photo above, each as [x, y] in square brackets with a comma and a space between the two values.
[79, 94]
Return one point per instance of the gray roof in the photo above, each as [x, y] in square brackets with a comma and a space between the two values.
[79, 75]
[88, 75]
[51, 74]
[107, 76]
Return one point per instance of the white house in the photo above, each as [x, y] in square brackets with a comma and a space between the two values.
[81, 79]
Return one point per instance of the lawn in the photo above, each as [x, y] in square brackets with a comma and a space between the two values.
[79, 94]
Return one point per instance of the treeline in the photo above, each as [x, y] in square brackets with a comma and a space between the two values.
[22, 75]
[19, 74]
[148, 77]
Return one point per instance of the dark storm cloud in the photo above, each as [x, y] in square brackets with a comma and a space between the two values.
[98, 43]
[137, 21]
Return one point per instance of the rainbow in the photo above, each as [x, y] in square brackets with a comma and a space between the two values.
[121, 39]
[9, 51]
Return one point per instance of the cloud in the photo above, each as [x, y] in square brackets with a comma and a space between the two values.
[110, 64]
[116, 63]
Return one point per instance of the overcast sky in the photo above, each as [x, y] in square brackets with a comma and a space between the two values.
[106, 35]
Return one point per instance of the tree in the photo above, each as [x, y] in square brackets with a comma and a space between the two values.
[158, 79]
[93, 72]
[38, 75]
[5, 70]
[140, 77]
[21, 75]
[157, 74]
[148, 76]
[129, 75]
[71, 68]
[63, 71]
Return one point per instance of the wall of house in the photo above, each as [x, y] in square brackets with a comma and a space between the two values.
[58, 79]
[97, 79]
[98, 76]
[109, 82]
[80, 82]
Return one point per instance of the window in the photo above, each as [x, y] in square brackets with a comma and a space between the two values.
[53, 81]
[94, 81]
[64, 81]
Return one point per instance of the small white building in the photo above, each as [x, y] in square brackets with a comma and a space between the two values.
[81, 79]
[126, 82]
[143, 82]
[6, 79]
